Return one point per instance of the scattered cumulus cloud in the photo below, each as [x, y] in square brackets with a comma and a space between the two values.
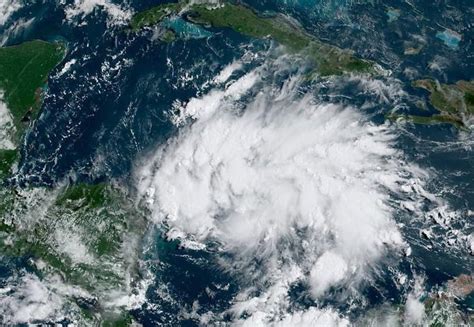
[81, 8]
[329, 270]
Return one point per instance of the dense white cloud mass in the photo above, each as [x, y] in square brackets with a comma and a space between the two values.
[414, 307]
[414, 311]
[6, 126]
[28, 299]
[8, 7]
[329, 270]
[313, 317]
[302, 187]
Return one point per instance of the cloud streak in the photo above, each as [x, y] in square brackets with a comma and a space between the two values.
[7, 8]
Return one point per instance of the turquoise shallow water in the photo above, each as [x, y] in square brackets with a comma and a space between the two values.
[451, 39]
[114, 106]
[186, 30]
[393, 14]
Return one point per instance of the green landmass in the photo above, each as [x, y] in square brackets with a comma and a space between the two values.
[7, 159]
[94, 196]
[154, 15]
[168, 36]
[441, 308]
[96, 215]
[453, 101]
[24, 70]
[121, 320]
[428, 120]
[330, 60]
[245, 21]
[87, 234]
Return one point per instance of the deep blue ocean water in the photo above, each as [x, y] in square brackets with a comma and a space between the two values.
[96, 121]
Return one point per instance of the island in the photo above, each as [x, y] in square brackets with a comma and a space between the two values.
[154, 15]
[454, 102]
[328, 59]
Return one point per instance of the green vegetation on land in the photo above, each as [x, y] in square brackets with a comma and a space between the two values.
[94, 196]
[122, 320]
[245, 21]
[329, 59]
[154, 15]
[7, 159]
[428, 120]
[168, 36]
[455, 102]
[87, 234]
[24, 70]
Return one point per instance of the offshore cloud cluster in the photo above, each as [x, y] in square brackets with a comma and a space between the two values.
[292, 189]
